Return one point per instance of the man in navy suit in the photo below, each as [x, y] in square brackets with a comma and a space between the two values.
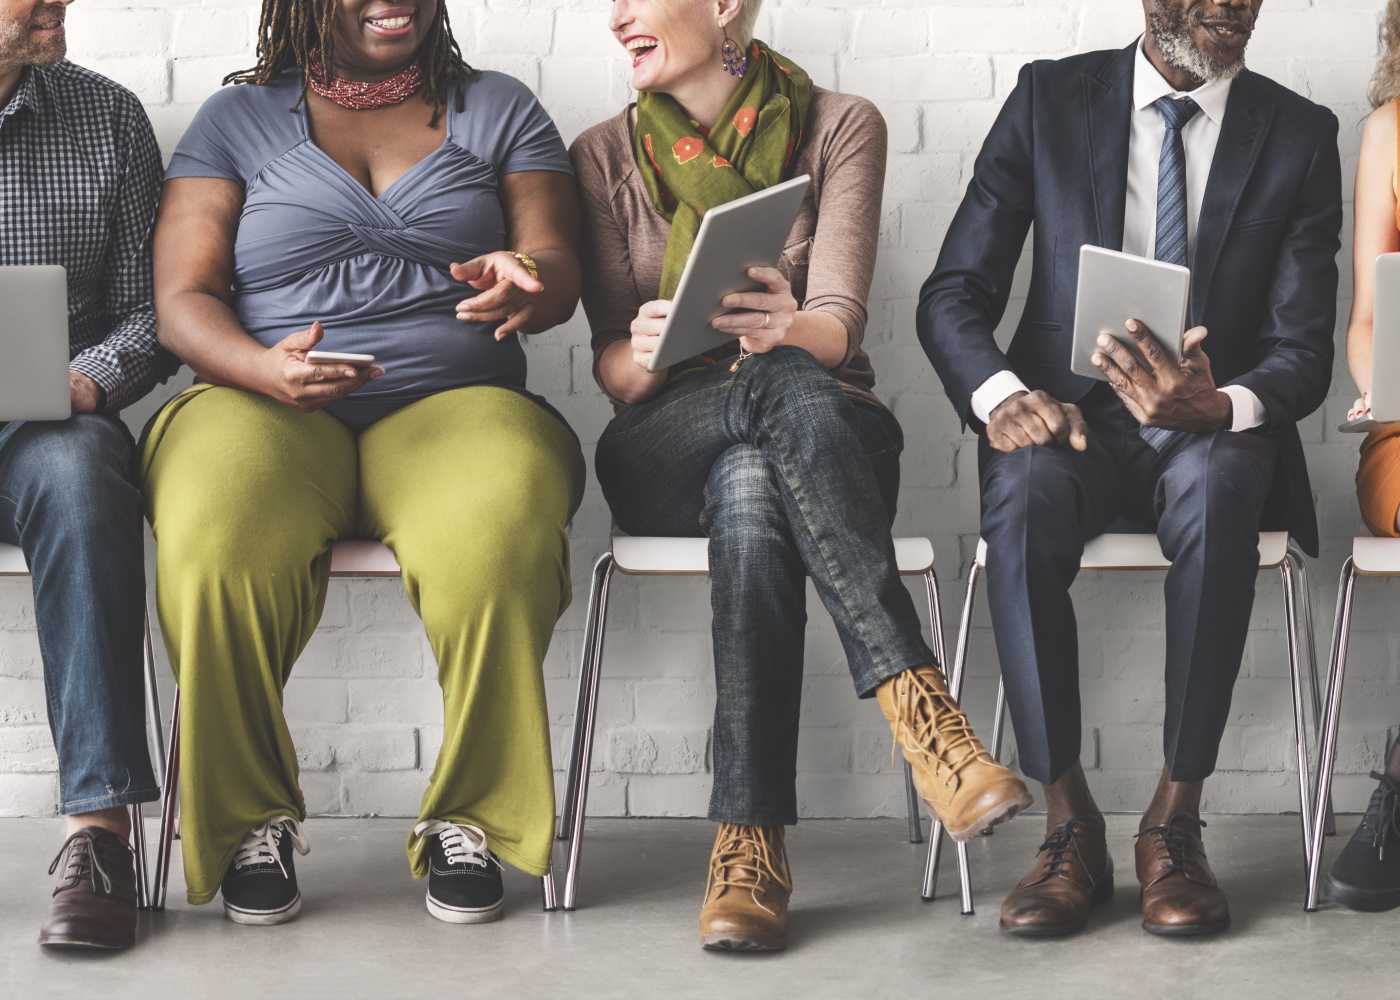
[1169, 149]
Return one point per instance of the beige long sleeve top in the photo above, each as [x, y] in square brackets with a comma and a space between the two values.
[830, 254]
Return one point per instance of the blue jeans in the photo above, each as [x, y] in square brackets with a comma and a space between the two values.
[788, 479]
[69, 500]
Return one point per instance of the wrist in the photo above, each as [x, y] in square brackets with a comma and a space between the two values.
[1009, 399]
[1226, 418]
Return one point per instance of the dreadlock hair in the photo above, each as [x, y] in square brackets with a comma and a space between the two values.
[291, 31]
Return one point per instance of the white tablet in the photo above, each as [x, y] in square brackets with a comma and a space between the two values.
[1385, 349]
[34, 343]
[747, 232]
[1116, 287]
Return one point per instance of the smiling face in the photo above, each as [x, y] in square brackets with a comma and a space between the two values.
[668, 41]
[1201, 38]
[31, 32]
[377, 38]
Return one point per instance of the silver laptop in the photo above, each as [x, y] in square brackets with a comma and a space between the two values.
[1385, 349]
[34, 343]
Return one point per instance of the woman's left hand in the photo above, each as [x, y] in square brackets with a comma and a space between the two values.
[508, 292]
[770, 314]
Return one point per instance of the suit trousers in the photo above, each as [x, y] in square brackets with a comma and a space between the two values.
[1203, 494]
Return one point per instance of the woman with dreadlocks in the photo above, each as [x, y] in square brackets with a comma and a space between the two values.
[363, 191]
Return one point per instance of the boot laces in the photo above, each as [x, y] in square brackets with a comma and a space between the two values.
[81, 861]
[934, 726]
[1176, 843]
[1383, 813]
[746, 857]
[463, 844]
[1062, 846]
[262, 844]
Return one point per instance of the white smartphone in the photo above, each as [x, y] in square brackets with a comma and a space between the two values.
[334, 358]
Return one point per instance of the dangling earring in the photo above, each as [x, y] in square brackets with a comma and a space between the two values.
[735, 60]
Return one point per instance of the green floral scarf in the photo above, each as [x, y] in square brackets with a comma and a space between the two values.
[687, 172]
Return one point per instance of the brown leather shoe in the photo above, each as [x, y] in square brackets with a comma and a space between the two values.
[1073, 873]
[94, 904]
[746, 897]
[1180, 897]
[966, 789]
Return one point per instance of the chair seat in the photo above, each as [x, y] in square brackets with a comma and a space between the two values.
[1376, 556]
[1141, 551]
[654, 556]
[12, 561]
[363, 559]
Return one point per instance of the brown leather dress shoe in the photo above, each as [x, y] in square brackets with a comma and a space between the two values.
[1180, 897]
[1073, 873]
[746, 897]
[94, 904]
[966, 789]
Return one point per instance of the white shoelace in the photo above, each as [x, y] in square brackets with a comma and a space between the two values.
[463, 845]
[260, 846]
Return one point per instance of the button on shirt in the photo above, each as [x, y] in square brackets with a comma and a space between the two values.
[1200, 137]
[80, 177]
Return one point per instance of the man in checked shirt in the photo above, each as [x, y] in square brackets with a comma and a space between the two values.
[79, 180]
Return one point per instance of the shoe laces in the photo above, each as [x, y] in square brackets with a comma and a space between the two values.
[80, 861]
[1176, 843]
[748, 857]
[462, 843]
[262, 844]
[933, 725]
[1383, 814]
[1062, 846]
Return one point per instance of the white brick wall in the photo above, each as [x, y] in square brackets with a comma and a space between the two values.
[364, 704]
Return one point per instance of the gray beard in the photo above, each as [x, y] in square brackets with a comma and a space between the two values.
[1173, 37]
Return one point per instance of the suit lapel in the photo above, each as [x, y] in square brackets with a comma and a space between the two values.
[1108, 100]
[1247, 119]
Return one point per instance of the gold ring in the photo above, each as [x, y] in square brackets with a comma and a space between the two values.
[766, 317]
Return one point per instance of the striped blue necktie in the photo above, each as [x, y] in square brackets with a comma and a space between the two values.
[1171, 212]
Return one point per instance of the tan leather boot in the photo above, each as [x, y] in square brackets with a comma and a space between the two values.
[966, 789]
[746, 897]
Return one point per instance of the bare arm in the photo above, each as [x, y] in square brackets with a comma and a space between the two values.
[1376, 234]
[194, 238]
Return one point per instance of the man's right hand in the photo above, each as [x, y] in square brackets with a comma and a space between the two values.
[1036, 418]
[289, 378]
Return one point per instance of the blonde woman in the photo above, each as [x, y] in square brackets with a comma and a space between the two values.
[1366, 875]
[774, 447]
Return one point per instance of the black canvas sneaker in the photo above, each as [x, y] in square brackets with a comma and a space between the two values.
[464, 877]
[1366, 875]
[261, 884]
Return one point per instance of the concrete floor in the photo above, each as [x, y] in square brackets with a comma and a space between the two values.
[858, 928]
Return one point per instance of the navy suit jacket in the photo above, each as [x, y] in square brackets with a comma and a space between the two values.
[1264, 271]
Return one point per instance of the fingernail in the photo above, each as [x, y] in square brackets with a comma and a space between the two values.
[376, 373]
[1096, 359]
[1103, 340]
[1131, 325]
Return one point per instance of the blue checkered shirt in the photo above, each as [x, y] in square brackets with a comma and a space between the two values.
[80, 177]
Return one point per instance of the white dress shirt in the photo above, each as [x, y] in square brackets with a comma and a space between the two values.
[1200, 137]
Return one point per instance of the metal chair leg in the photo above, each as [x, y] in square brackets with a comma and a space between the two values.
[935, 840]
[549, 900]
[590, 627]
[590, 676]
[1304, 585]
[153, 702]
[167, 809]
[1336, 675]
[138, 848]
[1300, 718]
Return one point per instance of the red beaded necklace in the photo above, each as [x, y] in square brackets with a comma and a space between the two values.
[361, 95]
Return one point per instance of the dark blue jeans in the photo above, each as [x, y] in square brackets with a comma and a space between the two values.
[788, 479]
[69, 500]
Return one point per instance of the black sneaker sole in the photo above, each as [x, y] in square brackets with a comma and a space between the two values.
[1355, 897]
[466, 914]
[262, 918]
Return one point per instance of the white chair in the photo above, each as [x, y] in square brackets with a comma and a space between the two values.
[12, 564]
[639, 556]
[1141, 552]
[1370, 557]
[349, 560]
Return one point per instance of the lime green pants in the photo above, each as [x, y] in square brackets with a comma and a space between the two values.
[473, 490]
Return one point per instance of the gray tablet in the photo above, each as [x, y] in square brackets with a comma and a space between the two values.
[1385, 349]
[34, 343]
[1116, 287]
[747, 232]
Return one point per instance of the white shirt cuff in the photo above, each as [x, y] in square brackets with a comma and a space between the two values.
[995, 391]
[1248, 408]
